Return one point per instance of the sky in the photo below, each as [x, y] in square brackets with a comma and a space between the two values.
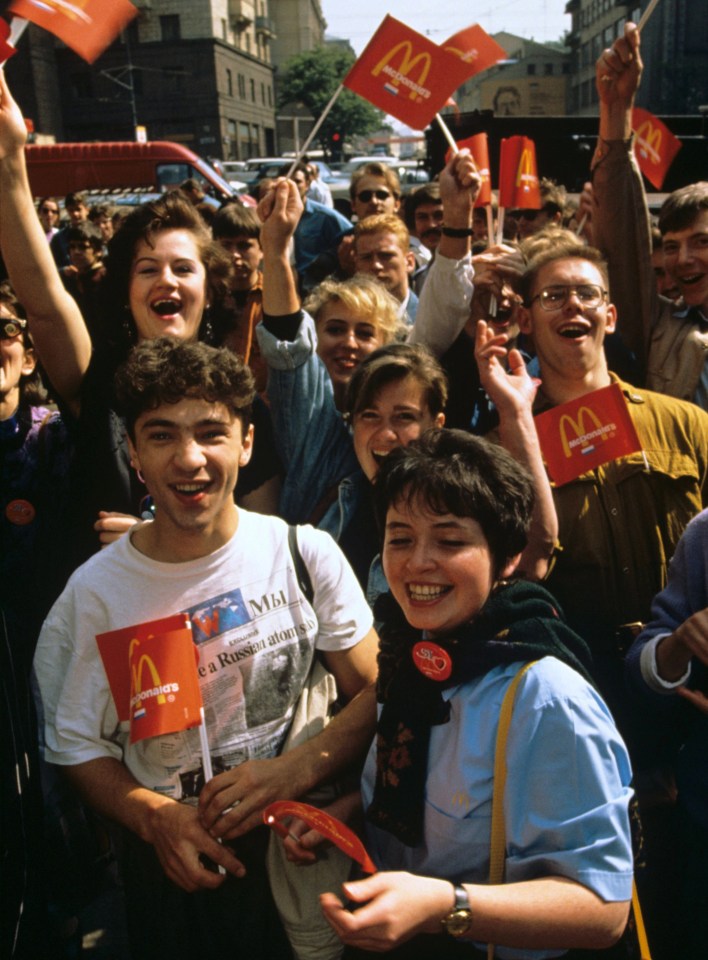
[356, 20]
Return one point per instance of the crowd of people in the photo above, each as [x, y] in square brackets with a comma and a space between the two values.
[315, 438]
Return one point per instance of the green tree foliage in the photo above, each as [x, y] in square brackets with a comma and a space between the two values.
[311, 78]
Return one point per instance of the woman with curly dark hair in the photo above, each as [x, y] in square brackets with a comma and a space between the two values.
[163, 272]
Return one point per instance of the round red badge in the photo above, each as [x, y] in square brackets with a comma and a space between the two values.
[432, 661]
[20, 512]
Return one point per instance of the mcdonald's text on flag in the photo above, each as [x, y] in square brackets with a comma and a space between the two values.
[152, 672]
[405, 74]
[585, 433]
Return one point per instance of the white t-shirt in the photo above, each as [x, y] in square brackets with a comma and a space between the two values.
[255, 631]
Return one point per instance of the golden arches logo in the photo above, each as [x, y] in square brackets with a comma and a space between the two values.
[587, 428]
[461, 799]
[649, 141]
[408, 63]
[73, 11]
[525, 172]
[136, 674]
[469, 56]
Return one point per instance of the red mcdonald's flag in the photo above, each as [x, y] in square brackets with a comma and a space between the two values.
[152, 672]
[405, 74]
[478, 146]
[330, 827]
[6, 48]
[655, 146]
[478, 50]
[518, 177]
[87, 26]
[585, 433]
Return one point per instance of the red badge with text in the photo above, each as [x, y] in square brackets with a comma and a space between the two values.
[655, 146]
[585, 433]
[87, 26]
[405, 74]
[152, 672]
[20, 512]
[330, 827]
[432, 660]
[518, 175]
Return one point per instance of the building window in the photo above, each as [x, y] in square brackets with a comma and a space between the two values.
[248, 43]
[608, 36]
[548, 69]
[241, 86]
[531, 69]
[565, 68]
[169, 27]
[229, 83]
[224, 30]
[270, 96]
[233, 139]
[263, 99]
[252, 84]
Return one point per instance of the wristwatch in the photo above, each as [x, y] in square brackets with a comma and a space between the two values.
[459, 920]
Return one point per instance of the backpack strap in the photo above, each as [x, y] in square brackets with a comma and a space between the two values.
[301, 571]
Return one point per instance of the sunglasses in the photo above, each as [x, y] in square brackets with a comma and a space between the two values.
[11, 327]
[366, 196]
[524, 214]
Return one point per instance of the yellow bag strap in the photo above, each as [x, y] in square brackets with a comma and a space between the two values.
[497, 855]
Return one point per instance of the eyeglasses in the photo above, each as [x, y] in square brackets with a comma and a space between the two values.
[556, 297]
[48, 210]
[11, 327]
[366, 196]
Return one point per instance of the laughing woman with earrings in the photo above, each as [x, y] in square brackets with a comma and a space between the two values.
[163, 269]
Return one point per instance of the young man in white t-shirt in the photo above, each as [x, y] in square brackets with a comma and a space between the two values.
[187, 415]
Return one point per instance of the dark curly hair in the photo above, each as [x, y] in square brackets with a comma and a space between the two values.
[169, 212]
[452, 471]
[167, 370]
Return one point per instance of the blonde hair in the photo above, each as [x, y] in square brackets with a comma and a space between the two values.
[384, 223]
[362, 295]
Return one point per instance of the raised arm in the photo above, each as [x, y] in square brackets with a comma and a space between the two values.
[58, 329]
[620, 217]
[280, 211]
[445, 299]
[512, 393]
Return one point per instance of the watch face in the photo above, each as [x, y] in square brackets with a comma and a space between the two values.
[458, 922]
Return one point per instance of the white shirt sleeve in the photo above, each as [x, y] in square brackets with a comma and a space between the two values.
[650, 670]
[444, 304]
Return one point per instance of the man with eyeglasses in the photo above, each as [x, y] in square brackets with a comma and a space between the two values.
[618, 524]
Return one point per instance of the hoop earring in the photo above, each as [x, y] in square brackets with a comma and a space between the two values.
[140, 477]
[207, 328]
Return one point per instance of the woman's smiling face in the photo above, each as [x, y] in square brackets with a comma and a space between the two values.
[167, 288]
